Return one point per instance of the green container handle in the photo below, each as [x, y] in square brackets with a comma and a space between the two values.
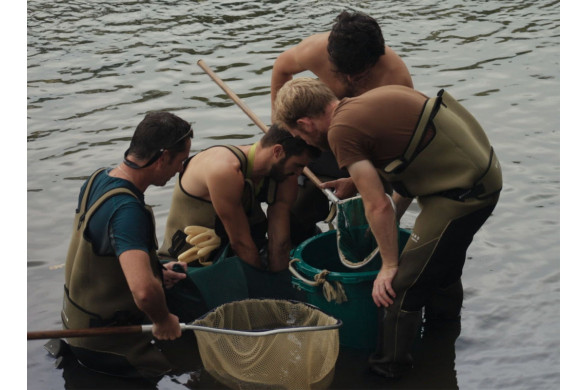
[331, 292]
[314, 283]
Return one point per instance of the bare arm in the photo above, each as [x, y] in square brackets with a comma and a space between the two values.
[286, 65]
[343, 188]
[310, 54]
[225, 189]
[279, 225]
[381, 218]
[148, 294]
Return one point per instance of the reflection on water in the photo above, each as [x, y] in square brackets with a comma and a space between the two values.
[95, 69]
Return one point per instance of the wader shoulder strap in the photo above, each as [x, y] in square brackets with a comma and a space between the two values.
[240, 156]
[86, 193]
[429, 110]
[248, 193]
[82, 210]
[102, 199]
[250, 167]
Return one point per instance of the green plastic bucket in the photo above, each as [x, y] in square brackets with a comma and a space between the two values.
[358, 313]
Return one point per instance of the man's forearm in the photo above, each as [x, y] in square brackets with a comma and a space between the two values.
[279, 238]
[151, 300]
[384, 228]
[246, 250]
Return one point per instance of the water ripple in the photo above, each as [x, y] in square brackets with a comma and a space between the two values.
[95, 69]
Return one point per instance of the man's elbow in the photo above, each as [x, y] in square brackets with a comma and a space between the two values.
[378, 208]
[144, 296]
[243, 247]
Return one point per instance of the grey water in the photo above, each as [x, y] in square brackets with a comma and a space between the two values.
[95, 68]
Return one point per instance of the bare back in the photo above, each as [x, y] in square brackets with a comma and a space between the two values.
[311, 54]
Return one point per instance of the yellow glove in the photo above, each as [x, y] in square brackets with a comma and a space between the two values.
[204, 241]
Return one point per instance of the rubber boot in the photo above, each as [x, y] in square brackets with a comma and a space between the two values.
[445, 304]
[397, 332]
[436, 355]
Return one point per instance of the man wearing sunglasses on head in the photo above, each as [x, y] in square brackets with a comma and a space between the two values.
[113, 276]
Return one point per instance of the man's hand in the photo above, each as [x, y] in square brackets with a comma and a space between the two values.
[170, 277]
[148, 293]
[382, 290]
[342, 188]
[168, 329]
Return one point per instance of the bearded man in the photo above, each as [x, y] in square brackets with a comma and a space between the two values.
[222, 188]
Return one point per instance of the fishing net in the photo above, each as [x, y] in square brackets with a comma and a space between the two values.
[356, 243]
[269, 344]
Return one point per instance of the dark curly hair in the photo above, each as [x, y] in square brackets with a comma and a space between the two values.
[355, 43]
[293, 146]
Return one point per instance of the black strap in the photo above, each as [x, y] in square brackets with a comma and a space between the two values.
[477, 189]
[428, 112]
[177, 243]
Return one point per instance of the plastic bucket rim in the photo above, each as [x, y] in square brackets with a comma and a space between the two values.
[347, 277]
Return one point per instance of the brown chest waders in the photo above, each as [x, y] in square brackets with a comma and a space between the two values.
[97, 294]
[187, 210]
[457, 179]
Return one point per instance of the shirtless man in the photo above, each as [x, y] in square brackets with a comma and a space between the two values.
[350, 59]
[222, 187]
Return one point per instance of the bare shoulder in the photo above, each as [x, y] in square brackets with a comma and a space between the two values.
[211, 167]
[393, 70]
[312, 52]
[219, 161]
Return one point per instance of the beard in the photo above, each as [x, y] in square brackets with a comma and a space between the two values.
[277, 171]
[322, 143]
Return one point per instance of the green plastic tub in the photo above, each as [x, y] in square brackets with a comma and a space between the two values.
[358, 313]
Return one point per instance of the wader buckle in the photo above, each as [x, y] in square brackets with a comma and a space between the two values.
[463, 194]
[177, 243]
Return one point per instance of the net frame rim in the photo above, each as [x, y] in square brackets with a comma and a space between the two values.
[261, 333]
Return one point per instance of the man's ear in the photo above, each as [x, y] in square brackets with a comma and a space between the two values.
[304, 124]
[165, 158]
[278, 151]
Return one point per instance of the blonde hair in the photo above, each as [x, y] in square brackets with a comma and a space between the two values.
[301, 97]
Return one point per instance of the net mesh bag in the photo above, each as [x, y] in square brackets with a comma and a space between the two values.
[269, 344]
[357, 245]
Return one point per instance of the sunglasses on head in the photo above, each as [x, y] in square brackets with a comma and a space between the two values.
[157, 155]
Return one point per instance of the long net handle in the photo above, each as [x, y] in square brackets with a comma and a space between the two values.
[232, 95]
[306, 171]
[103, 331]
[136, 329]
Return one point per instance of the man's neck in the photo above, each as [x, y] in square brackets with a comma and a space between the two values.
[326, 118]
[134, 176]
[261, 166]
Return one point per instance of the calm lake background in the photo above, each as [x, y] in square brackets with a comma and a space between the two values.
[94, 69]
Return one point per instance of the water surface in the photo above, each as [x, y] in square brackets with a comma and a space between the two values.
[95, 68]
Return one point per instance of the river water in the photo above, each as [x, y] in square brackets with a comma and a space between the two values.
[95, 68]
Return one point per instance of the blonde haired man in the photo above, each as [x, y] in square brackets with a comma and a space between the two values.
[431, 149]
